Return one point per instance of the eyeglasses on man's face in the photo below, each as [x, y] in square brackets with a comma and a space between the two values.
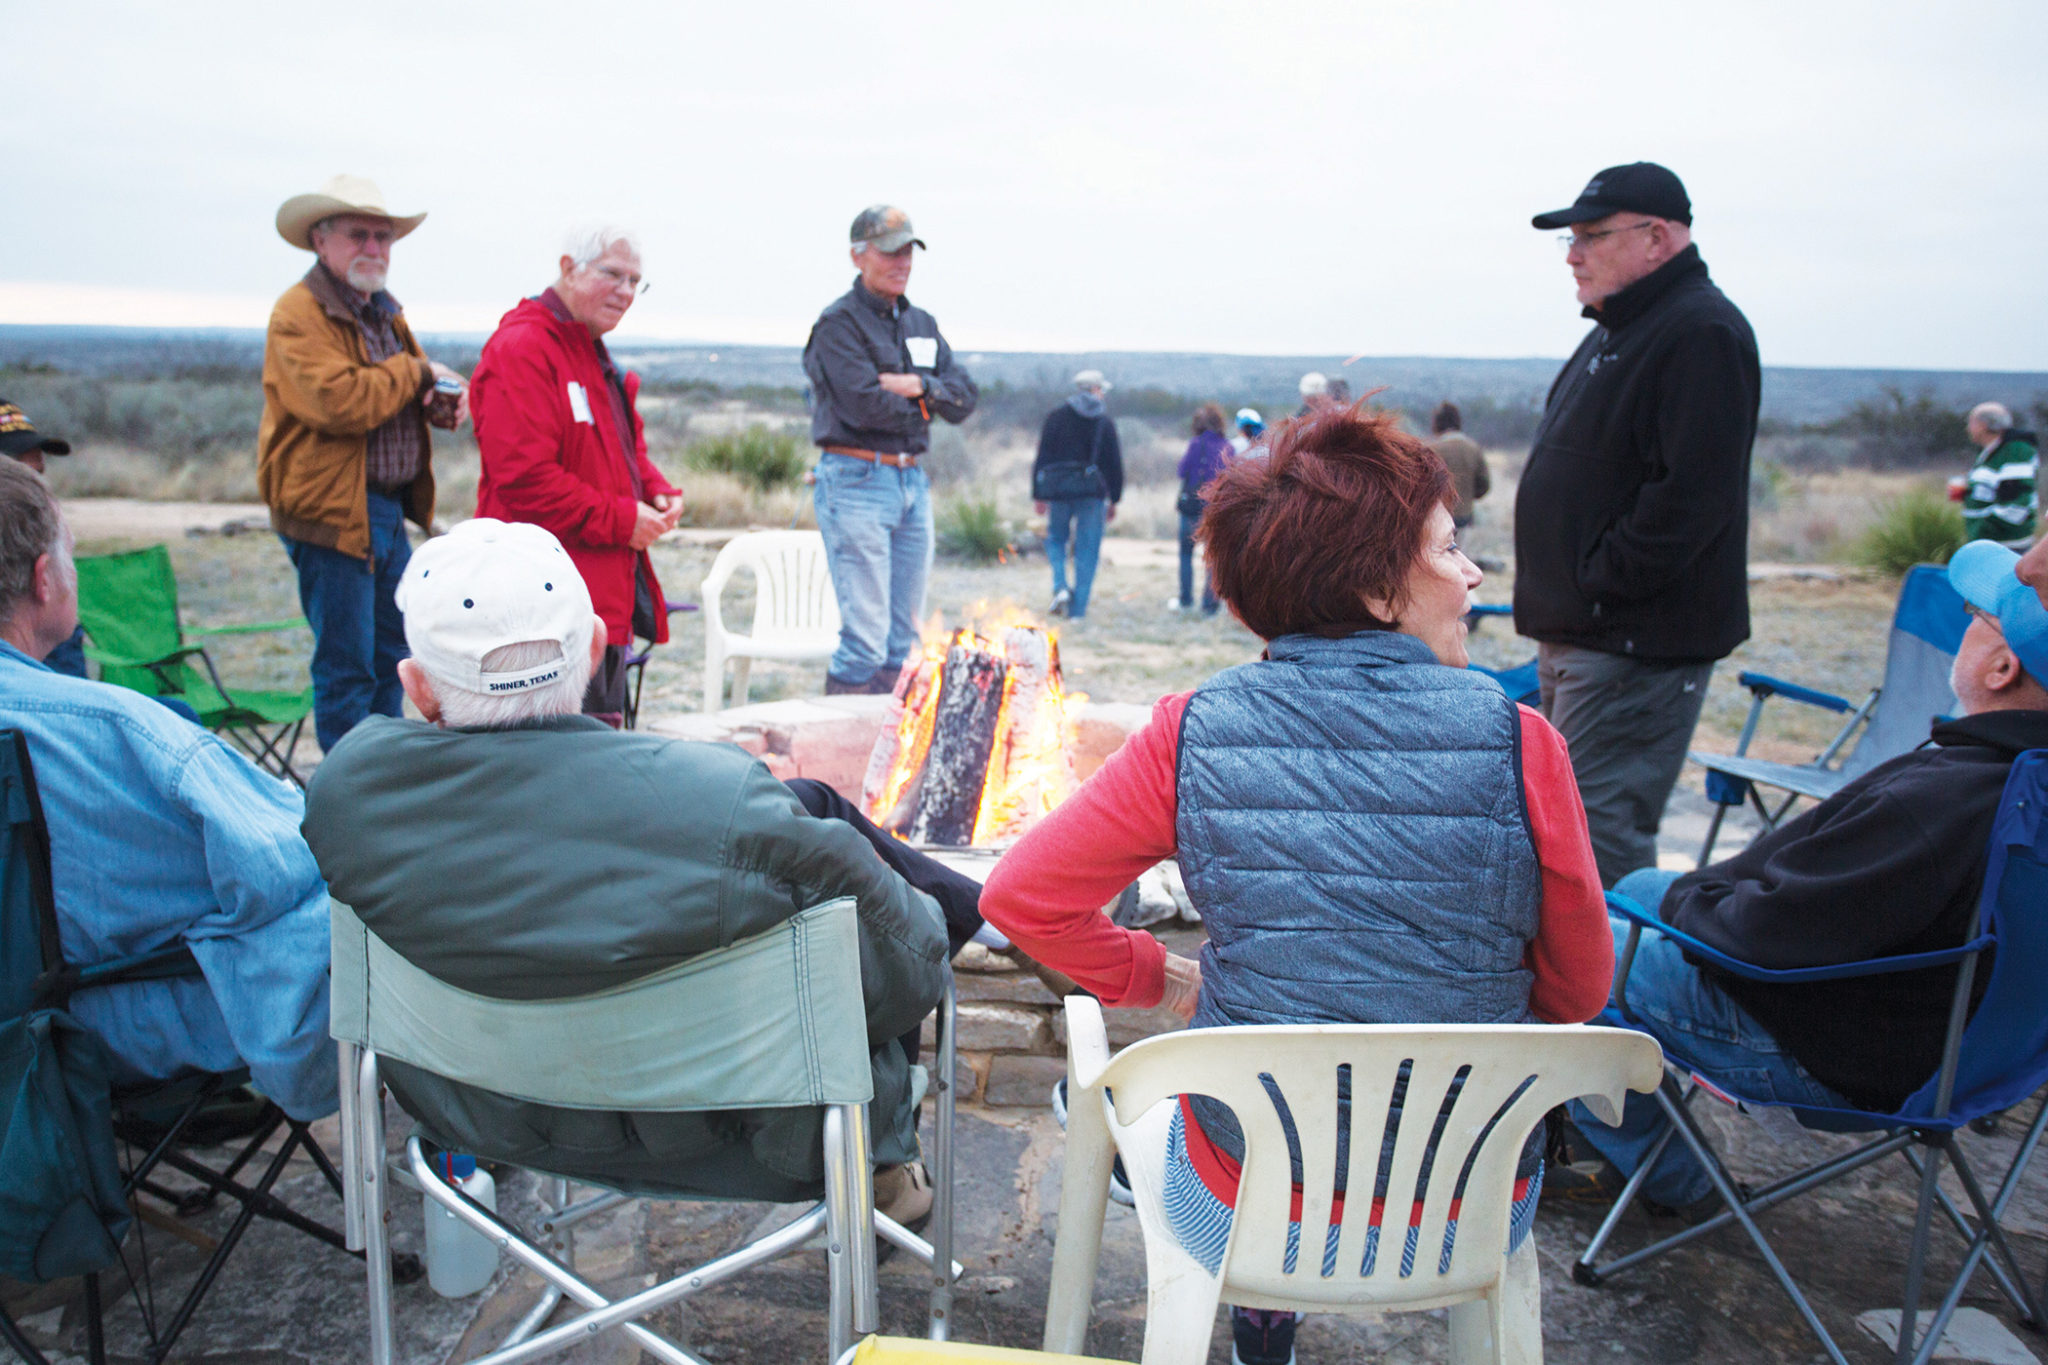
[1569, 240]
[616, 278]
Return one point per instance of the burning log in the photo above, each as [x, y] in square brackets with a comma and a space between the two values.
[895, 776]
[977, 745]
[964, 725]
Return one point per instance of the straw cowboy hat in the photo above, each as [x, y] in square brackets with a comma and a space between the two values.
[342, 194]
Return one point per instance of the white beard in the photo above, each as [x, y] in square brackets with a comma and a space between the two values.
[368, 276]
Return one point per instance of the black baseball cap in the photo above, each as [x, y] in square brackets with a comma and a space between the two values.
[18, 434]
[1640, 186]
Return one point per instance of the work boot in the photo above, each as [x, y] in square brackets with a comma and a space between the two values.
[836, 686]
[905, 1194]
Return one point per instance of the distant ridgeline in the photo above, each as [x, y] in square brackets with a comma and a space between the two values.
[1149, 383]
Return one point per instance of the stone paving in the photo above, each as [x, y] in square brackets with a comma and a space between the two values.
[286, 1299]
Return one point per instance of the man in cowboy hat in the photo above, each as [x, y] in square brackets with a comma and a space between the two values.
[342, 456]
[879, 373]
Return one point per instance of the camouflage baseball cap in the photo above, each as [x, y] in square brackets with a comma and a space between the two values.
[884, 227]
[18, 435]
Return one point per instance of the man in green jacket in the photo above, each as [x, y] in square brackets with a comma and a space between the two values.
[515, 848]
[1998, 503]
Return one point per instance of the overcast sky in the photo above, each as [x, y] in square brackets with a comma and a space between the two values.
[1867, 178]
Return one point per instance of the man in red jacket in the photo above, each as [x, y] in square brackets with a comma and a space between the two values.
[563, 447]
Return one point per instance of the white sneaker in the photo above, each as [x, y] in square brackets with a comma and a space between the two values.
[1060, 600]
[1173, 604]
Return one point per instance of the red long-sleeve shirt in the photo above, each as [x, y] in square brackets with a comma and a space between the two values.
[1047, 893]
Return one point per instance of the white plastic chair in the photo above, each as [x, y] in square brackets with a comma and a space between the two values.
[1513, 1074]
[796, 615]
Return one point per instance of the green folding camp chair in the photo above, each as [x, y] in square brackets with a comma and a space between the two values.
[129, 604]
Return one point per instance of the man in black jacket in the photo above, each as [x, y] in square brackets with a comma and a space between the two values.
[1076, 482]
[879, 373]
[1891, 864]
[1632, 520]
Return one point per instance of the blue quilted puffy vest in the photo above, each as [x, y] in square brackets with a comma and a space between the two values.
[1352, 827]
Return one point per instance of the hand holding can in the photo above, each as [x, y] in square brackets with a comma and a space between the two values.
[444, 403]
[1958, 486]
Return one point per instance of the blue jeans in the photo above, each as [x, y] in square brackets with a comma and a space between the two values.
[1080, 521]
[358, 633]
[1673, 1003]
[1187, 568]
[877, 524]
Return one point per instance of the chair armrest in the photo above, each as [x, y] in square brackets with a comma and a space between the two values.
[1763, 685]
[252, 628]
[1640, 918]
[105, 656]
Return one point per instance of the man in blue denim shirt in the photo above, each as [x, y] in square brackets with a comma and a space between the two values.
[161, 834]
[879, 372]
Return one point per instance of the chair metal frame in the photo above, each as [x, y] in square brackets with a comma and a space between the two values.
[159, 1145]
[636, 669]
[845, 1216]
[1856, 748]
[1488, 1086]
[1925, 1139]
[796, 613]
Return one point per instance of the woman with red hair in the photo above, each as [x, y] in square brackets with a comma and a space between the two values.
[1373, 832]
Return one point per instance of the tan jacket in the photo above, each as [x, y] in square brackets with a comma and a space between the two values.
[1469, 476]
[321, 399]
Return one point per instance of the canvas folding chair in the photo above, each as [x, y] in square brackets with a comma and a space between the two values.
[689, 1038]
[796, 615]
[1519, 682]
[1927, 629]
[150, 1122]
[129, 605]
[1445, 1173]
[1992, 1060]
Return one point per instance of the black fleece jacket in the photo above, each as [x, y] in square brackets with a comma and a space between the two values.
[1632, 519]
[1893, 863]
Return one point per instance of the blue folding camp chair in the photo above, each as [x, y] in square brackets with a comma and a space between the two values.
[111, 1143]
[1518, 682]
[1927, 629]
[1992, 1059]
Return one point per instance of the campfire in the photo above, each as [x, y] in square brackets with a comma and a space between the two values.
[978, 745]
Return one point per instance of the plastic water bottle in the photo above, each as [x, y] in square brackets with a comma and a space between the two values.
[460, 1260]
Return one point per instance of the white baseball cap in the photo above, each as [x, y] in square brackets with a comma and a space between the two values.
[487, 584]
[1314, 384]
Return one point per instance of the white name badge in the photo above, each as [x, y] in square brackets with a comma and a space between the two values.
[924, 351]
[579, 402]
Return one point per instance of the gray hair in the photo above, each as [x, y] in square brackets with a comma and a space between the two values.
[1992, 416]
[585, 245]
[462, 709]
[31, 526]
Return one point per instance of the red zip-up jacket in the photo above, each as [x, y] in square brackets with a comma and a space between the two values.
[559, 463]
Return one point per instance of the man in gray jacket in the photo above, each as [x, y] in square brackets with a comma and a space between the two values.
[879, 373]
[515, 848]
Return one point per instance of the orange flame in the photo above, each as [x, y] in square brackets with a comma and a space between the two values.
[1030, 766]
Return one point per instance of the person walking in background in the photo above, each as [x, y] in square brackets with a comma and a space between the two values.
[1464, 458]
[1203, 460]
[1314, 389]
[1076, 482]
[1632, 520]
[1999, 500]
[342, 454]
[879, 372]
[558, 428]
[1251, 434]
